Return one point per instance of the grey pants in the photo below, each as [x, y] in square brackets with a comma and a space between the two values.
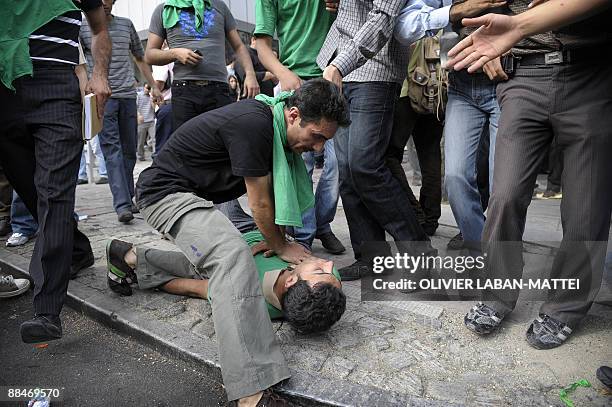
[145, 130]
[574, 104]
[250, 357]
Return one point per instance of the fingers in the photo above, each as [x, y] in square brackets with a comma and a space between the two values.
[463, 44]
[497, 3]
[478, 64]
[477, 21]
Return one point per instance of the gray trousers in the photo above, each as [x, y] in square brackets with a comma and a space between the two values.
[574, 104]
[250, 358]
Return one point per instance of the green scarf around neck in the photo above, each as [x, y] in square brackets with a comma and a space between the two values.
[19, 20]
[292, 185]
[172, 10]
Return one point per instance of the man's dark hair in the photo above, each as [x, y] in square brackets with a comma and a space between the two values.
[320, 99]
[313, 309]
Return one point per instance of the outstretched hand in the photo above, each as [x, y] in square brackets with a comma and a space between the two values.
[496, 36]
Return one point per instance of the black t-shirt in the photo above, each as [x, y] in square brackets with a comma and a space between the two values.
[210, 154]
[58, 40]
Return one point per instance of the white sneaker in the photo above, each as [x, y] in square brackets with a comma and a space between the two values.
[17, 239]
[11, 287]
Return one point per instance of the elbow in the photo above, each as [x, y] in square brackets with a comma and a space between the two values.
[147, 58]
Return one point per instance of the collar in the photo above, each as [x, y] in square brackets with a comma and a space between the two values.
[267, 285]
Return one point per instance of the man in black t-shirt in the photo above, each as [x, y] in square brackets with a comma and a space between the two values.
[41, 142]
[218, 156]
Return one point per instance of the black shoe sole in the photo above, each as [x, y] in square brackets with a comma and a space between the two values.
[37, 333]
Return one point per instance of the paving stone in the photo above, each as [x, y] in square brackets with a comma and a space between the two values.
[204, 328]
[339, 366]
[380, 344]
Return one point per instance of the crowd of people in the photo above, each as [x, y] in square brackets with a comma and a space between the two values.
[352, 82]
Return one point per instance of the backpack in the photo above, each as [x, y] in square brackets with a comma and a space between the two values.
[427, 80]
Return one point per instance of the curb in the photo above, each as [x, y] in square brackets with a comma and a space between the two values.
[304, 388]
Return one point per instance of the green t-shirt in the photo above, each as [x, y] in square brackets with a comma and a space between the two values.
[265, 264]
[301, 26]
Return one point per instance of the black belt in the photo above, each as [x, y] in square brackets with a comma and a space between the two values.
[567, 57]
[197, 83]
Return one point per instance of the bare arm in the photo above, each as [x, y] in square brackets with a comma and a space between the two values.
[287, 79]
[259, 192]
[101, 50]
[251, 87]
[154, 55]
[145, 69]
[499, 33]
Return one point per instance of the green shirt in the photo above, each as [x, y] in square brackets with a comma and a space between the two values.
[301, 26]
[269, 264]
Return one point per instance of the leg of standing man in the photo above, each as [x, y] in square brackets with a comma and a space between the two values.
[111, 145]
[41, 145]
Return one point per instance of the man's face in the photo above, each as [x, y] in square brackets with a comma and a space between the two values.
[314, 271]
[108, 6]
[310, 137]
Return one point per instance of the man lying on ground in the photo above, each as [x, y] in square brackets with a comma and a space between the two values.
[250, 146]
[309, 296]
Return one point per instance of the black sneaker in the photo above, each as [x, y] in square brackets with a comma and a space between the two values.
[354, 272]
[456, 243]
[119, 273]
[125, 216]
[41, 328]
[331, 243]
[82, 181]
[482, 319]
[604, 374]
[545, 332]
[102, 180]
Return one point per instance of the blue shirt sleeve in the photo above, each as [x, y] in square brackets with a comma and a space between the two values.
[420, 18]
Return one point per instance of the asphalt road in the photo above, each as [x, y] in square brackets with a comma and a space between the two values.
[95, 366]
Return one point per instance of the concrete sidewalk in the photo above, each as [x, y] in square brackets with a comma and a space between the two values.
[380, 353]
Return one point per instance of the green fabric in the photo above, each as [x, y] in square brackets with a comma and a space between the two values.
[172, 9]
[265, 264]
[301, 26]
[564, 393]
[19, 20]
[291, 183]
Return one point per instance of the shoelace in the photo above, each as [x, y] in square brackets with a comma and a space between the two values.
[7, 280]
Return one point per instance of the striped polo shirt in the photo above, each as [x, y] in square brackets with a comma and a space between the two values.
[58, 40]
[125, 45]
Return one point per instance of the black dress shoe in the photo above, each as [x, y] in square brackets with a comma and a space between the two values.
[456, 243]
[80, 264]
[354, 272]
[81, 181]
[5, 226]
[331, 243]
[41, 328]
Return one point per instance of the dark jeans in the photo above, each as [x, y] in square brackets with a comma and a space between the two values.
[374, 201]
[6, 195]
[118, 140]
[189, 101]
[426, 131]
[573, 104]
[163, 127]
[555, 167]
[40, 150]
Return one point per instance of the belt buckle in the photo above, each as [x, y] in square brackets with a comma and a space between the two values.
[553, 58]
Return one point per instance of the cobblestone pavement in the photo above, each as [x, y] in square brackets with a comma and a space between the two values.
[380, 353]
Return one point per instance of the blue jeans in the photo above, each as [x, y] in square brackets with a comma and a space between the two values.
[118, 140]
[22, 220]
[95, 144]
[471, 111]
[374, 201]
[163, 127]
[317, 220]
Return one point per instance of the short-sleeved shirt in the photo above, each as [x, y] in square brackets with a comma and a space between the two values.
[209, 40]
[301, 26]
[125, 43]
[57, 41]
[211, 154]
[145, 107]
